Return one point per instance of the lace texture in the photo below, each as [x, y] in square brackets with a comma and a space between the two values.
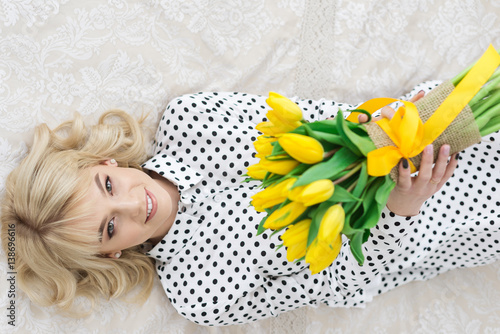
[61, 56]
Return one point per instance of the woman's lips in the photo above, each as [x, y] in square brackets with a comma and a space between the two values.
[154, 203]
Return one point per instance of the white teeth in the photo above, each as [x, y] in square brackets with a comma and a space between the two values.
[150, 206]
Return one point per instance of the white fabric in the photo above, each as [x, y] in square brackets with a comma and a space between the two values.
[57, 56]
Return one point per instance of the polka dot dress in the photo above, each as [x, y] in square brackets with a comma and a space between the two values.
[216, 271]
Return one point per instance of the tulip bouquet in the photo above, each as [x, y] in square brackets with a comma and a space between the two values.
[332, 177]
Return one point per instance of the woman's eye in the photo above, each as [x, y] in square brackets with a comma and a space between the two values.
[109, 187]
[111, 228]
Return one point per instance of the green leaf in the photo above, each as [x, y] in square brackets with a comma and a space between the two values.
[309, 131]
[348, 230]
[261, 225]
[271, 180]
[366, 235]
[326, 126]
[362, 180]
[328, 169]
[342, 195]
[360, 216]
[384, 190]
[360, 145]
[317, 215]
[277, 149]
[301, 259]
[330, 138]
[356, 247]
[363, 111]
[298, 170]
[374, 202]
[372, 215]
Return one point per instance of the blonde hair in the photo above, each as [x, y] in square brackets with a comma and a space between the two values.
[56, 261]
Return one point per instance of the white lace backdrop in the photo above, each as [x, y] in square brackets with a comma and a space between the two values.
[58, 56]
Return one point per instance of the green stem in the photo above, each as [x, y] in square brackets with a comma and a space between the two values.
[348, 175]
[456, 80]
[482, 106]
[462, 74]
[330, 153]
[487, 119]
[485, 90]
[351, 187]
[492, 126]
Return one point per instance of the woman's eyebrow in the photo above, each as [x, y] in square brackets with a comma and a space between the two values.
[97, 180]
[101, 228]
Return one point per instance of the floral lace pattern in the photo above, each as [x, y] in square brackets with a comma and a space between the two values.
[57, 57]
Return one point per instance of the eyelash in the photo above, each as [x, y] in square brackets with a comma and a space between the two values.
[111, 224]
[108, 185]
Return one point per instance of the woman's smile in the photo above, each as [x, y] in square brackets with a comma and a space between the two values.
[151, 205]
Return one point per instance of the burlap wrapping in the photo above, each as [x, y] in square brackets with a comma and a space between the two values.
[460, 134]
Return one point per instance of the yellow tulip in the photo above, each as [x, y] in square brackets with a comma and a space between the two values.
[332, 223]
[295, 239]
[313, 193]
[263, 144]
[302, 148]
[285, 215]
[285, 125]
[284, 108]
[280, 167]
[269, 128]
[321, 254]
[294, 194]
[257, 172]
[272, 195]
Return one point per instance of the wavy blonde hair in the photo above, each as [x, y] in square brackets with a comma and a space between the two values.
[55, 260]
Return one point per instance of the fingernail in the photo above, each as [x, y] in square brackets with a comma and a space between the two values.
[405, 163]
[420, 91]
[429, 148]
[446, 150]
[457, 156]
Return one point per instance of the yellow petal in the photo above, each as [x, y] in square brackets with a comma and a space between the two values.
[296, 233]
[302, 148]
[295, 239]
[294, 194]
[287, 110]
[321, 254]
[263, 144]
[283, 125]
[272, 195]
[284, 216]
[332, 223]
[280, 167]
[257, 172]
[317, 192]
[268, 128]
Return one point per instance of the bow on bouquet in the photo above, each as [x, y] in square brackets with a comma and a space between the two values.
[332, 177]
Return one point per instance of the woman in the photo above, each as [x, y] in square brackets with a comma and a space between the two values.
[83, 205]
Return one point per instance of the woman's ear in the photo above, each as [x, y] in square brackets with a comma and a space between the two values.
[110, 162]
[115, 255]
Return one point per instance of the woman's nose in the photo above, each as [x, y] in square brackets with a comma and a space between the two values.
[129, 206]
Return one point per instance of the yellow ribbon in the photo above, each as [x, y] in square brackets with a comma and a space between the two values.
[406, 129]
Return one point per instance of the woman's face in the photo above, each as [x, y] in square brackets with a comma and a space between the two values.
[128, 207]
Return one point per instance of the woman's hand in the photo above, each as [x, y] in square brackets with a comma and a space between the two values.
[388, 112]
[410, 192]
